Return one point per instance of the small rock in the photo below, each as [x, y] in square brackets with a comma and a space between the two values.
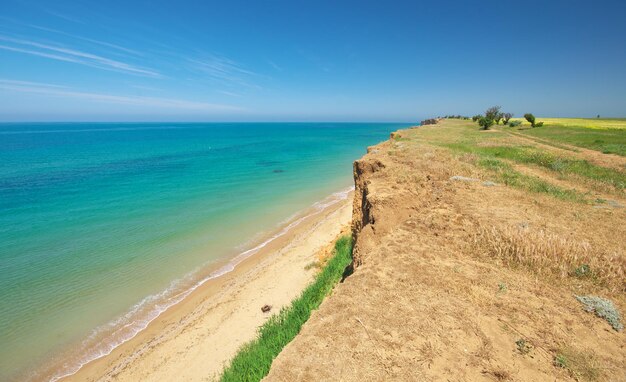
[614, 204]
[489, 183]
[266, 308]
[463, 178]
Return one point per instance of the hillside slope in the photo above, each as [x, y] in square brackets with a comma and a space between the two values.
[460, 277]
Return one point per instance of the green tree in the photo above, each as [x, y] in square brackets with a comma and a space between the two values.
[493, 113]
[485, 123]
[530, 118]
[476, 117]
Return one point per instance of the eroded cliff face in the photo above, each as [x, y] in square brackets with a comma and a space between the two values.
[379, 200]
[363, 211]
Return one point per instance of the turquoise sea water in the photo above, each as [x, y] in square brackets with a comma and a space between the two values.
[103, 225]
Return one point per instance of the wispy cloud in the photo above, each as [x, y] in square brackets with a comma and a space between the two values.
[63, 16]
[58, 52]
[274, 65]
[87, 39]
[231, 94]
[224, 70]
[29, 83]
[61, 91]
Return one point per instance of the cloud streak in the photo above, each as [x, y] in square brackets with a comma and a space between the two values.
[71, 55]
[91, 40]
[224, 70]
[61, 91]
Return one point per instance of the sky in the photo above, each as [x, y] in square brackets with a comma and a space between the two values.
[309, 60]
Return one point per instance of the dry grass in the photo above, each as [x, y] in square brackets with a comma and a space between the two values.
[581, 365]
[551, 255]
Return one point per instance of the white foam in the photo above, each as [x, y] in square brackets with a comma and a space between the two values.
[127, 326]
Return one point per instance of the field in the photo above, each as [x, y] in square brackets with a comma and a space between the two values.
[605, 135]
[588, 123]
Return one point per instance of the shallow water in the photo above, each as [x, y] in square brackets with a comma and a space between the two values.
[103, 225]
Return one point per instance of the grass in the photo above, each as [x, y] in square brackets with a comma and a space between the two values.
[608, 141]
[552, 256]
[253, 361]
[582, 366]
[505, 173]
[560, 164]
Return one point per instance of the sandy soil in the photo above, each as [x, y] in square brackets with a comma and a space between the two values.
[193, 340]
[426, 305]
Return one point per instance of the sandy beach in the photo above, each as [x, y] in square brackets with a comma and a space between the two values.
[193, 340]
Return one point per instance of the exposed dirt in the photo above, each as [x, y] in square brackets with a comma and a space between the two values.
[423, 305]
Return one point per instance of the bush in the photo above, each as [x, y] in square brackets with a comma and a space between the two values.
[493, 113]
[530, 118]
[476, 117]
[603, 308]
[485, 123]
[506, 117]
[515, 123]
[538, 124]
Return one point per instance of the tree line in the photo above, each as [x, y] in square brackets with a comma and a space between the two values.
[494, 115]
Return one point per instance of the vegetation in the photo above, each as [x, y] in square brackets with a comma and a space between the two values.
[530, 118]
[563, 165]
[476, 117]
[603, 308]
[493, 113]
[589, 123]
[515, 123]
[505, 174]
[485, 123]
[554, 256]
[499, 149]
[506, 117]
[458, 116]
[607, 140]
[581, 366]
[253, 361]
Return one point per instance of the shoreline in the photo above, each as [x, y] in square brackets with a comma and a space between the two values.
[216, 300]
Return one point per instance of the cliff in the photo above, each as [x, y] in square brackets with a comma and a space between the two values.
[426, 303]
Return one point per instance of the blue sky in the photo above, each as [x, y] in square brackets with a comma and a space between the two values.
[308, 60]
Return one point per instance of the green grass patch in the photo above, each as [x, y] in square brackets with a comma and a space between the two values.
[505, 173]
[562, 165]
[608, 141]
[253, 361]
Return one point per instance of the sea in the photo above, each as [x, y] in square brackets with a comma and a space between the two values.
[104, 226]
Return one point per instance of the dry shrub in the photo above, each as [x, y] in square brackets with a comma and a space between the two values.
[551, 255]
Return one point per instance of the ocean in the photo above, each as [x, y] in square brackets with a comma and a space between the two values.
[103, 226]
